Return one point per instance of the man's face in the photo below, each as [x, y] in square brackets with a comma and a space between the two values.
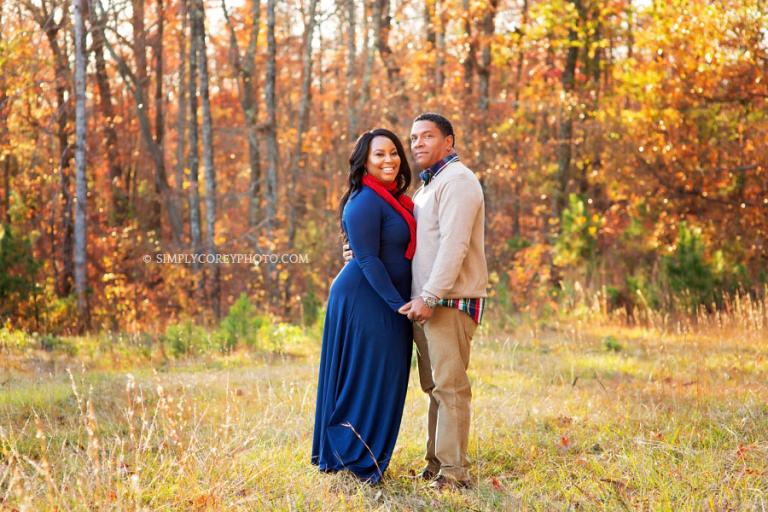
[428, 144]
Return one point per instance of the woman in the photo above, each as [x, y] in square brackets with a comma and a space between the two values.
[366, 352]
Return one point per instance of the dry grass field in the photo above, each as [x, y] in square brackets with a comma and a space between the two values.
[583, 415]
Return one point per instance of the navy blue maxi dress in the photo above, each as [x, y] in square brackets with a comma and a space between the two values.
[366, 351]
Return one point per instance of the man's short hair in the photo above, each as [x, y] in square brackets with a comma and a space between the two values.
[443, 124]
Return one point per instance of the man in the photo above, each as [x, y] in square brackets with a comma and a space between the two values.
[448, 293]
[450, 280]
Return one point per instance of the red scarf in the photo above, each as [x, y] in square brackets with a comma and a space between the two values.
[402, 204]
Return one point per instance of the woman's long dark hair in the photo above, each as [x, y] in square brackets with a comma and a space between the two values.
[357, 161]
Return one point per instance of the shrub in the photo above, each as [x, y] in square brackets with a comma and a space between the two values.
[49, 342]
[241, 325]
[13, 339]
[611, 344]
[689, 275]
[277, 337]
[18, 270]
[186, 339]
[310, 307]
[577, 241]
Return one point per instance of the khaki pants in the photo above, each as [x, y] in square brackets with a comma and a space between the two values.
[442, 347]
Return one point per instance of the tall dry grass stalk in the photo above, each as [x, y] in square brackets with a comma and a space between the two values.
[667, 414]
[152, 439]
[743, 312]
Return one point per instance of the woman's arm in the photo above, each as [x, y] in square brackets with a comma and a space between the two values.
[363, 222]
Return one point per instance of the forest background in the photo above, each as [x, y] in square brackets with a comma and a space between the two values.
[621, 147]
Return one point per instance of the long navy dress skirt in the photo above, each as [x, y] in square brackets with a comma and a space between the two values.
[366, 352]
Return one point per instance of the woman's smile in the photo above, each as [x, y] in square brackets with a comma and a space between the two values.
[383, 160]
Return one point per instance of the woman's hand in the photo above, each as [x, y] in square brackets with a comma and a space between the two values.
[417, 310]
[347, 252]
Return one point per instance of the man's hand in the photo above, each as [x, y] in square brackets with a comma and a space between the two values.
[417, 310]
[347, 252]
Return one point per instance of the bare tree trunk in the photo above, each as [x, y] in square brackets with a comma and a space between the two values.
[271, 126]
[297, 158]
[245, 67]
[595, 63]
[381, 27]
[195, 229]
[429, 24]
[440, 46]
[272, 148]
[45, 18]
[162, 188]
[565, 128]
[609, 62]
[564, 137]
[80, 256]
[593, 46]
[434, 23]
[484, 68]
[10, 166]
[67, 215]
[630, 10]
[118, 187]
[470, 61]
[157, 49]
[139, 42]
[516, 148]
[137, 82]
[181, 113]
[210, 171]
[140, 64]
[4, 110]
[351, 59]
[7, 189]
[369, 55]
[430, 37]
[251, 109]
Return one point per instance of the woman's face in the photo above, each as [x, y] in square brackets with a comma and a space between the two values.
[383, 160]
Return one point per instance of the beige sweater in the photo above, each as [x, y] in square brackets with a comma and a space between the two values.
[450, 253]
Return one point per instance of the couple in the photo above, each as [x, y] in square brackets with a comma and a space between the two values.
[419, 260]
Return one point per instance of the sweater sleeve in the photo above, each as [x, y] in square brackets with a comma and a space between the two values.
[458, 205]
[363, 225]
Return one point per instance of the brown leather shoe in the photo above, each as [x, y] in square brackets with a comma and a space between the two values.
[442, 483]
[427, 474]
